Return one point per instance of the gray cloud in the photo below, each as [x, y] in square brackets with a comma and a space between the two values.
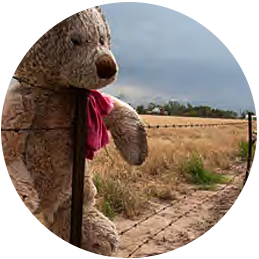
[164, 54]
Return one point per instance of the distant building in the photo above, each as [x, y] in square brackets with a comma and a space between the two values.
[158, 111]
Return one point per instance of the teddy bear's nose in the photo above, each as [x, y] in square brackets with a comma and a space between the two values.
[106, 67]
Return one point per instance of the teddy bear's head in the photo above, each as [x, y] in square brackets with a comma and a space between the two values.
[75, 52]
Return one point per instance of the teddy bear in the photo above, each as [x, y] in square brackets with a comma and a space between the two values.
[38, 117]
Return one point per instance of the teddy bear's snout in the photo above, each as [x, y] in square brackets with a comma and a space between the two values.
[106, 67]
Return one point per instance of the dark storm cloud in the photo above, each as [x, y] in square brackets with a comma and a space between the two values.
[164, 53]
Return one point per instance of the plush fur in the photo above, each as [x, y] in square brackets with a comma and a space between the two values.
[98, 232]
[73, 54]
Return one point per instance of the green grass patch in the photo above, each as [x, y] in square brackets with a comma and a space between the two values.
[193, 169]
[116, 198]
[108, 210]
[243, 150]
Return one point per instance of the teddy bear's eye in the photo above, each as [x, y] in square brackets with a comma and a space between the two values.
[75, 41]
[101, 40]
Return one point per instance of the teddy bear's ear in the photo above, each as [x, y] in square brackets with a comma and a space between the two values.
[11, 28]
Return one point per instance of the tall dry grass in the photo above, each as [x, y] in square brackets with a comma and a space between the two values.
[125, 189]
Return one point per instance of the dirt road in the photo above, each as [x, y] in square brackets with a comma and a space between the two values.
[192, 214]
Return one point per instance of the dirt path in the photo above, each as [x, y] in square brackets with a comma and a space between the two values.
[191, 216]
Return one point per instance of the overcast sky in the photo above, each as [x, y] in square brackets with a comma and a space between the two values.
[163, 55]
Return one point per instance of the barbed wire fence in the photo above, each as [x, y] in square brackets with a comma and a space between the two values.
[208, 198]
[193, 125]
[79, 127]
[208, 221]
[155, 213]
[17, 129]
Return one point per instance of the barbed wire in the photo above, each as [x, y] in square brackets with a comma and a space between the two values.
[192, 125]
[146, 241]
[157, 212]
[146, 126]
[21, 80]
[65, 90]
[18, 129]
[184, 197]
[189, 195]
[37, 129]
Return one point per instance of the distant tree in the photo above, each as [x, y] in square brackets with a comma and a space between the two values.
[174, 108]
[189, 106]
[151, 106]
[140, 109]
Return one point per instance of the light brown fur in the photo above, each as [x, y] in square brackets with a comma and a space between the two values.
[38, 116]
[98, 232]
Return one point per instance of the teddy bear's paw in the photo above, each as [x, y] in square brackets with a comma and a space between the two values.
[104, 246]
[128, 132]
[99, 233]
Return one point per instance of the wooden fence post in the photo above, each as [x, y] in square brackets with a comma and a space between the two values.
[250, 145]
[78, 166]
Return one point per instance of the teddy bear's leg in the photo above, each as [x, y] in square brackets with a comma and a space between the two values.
[25, 239]
[98, 232]
[128, 132]
[18, 196]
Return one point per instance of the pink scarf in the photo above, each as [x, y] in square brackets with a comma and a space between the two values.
[97, 135]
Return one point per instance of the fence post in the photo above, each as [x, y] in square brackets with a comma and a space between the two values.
[250, 145]
[79, 146]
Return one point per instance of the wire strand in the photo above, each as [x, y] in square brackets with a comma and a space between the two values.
[146, 241]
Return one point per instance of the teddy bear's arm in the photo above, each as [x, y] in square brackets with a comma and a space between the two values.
[18, 195]
[128, 132]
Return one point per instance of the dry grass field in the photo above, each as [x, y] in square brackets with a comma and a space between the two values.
[124, 189]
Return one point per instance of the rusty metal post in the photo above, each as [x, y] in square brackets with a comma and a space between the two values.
[250, 146]
[78, 166]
